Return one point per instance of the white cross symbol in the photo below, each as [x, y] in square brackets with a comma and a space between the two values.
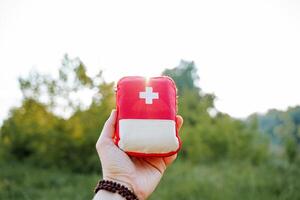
[149, 95]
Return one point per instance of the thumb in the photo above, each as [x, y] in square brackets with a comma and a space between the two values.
[108, 129]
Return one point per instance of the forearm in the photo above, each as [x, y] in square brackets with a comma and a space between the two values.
[105, 195]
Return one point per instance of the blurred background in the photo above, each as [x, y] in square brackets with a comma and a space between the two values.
[236, 65]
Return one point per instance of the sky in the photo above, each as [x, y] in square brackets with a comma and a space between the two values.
[247, 52]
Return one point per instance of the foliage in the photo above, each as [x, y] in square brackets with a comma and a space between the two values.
[59, 120]
[206, 136]
[230, 180]
[283, 127]
[22, 181]
[182, 181]
[34, 133]
[185, 75]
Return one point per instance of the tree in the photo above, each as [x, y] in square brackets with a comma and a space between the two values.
[283, 127]
[206, 136]
[185, 76]
[39, 131]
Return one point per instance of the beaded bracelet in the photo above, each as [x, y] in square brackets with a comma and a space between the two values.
[114, 187]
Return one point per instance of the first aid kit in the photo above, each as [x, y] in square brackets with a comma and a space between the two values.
[146, 116]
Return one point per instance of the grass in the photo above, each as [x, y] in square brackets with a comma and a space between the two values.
[21, 181]
[183, 180]
[230, 181]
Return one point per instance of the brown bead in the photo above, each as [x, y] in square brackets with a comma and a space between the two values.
[115, 187]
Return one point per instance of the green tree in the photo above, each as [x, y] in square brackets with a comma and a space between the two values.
[283, 127]
[35, 132]
[208, 134]
[185, 76]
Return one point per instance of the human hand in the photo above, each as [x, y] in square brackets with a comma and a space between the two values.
[141, 175]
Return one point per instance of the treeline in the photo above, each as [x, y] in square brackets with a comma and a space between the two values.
[54, 128]
[283, 129]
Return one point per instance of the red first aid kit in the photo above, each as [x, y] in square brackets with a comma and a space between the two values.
[146, 116]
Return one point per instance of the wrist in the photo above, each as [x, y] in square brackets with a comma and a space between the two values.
[129, 183]
[103, 194]
[126, 183]
[116, 187]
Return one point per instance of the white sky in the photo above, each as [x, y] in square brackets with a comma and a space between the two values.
[247, 52]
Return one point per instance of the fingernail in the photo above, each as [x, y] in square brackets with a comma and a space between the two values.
[112, 112]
